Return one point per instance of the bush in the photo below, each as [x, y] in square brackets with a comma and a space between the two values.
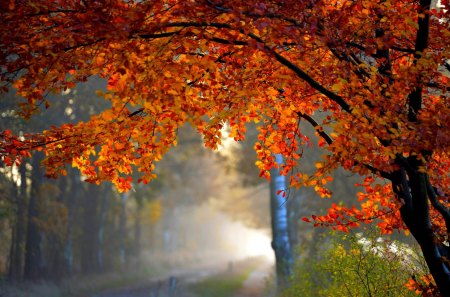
[353, 265]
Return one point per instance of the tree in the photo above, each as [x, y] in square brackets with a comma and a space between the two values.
[33, 269]
[280, 227]
[17, 242]
[372, 69]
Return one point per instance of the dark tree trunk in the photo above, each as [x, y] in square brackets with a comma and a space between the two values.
[18, 236]
[104, 204]
[137, 231]
[73, 196]
[416, 193]
[122, 229]
[89, 263]
[414, 187]
[95, 207]
[33, 255]
[56, 241]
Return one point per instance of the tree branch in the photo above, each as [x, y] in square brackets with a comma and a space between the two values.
[83, 44]
[308, 79]
[317, 127]
[415, 97]
[157, 35]
[330, 141]
[444, 211]
[49, 12]
[140, 110]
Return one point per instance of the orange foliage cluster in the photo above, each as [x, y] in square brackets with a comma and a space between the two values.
[425, 287]
[205, 64]
[12, 149]
[376, 205]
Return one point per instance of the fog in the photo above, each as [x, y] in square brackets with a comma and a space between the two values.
[207, 213]
[204, 208]
[203, 234]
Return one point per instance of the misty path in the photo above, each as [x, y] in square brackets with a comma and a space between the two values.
[170, 285]
[257, 283]
[180, 282]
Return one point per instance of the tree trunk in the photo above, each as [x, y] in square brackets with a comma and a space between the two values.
[72, 197]
[18, 238]
[33, 255]
[414, 189]
[89, 263]
[122, 229]
[56, 240]
[137, 231]
[280, 228]
[104, 199]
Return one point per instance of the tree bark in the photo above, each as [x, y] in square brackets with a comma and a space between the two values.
[410, 185]
[72, 197]
[280, 228]
[18, 236]
[33, 255]
[89, 249]
[122, 229]
[104, 204]
[414, 187]
[56, 240]
[138, 231]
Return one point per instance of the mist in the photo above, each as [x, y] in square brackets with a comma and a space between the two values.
[203, 234]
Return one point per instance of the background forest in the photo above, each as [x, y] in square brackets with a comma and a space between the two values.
[206, 206]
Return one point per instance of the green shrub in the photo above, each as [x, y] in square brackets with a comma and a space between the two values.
[353, 265]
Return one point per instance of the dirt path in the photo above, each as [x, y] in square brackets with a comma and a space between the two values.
[257, 284]
[178, 282]
[172, 285]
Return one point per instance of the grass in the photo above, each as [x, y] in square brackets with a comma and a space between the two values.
[225, 284]
[219, 286]
[77, 286]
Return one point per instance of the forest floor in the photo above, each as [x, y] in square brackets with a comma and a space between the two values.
[247, 278]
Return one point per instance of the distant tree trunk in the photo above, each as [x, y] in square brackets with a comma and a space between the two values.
[56, 241]
[12, 264]
[95, 208]
[122, 229]
[138, 231]
[72, 197]
[89, 263]
[280, 228]
[33, 255]
[104, 199]
[18, 236]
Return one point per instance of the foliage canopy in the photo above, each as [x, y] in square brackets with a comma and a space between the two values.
[373, 69]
